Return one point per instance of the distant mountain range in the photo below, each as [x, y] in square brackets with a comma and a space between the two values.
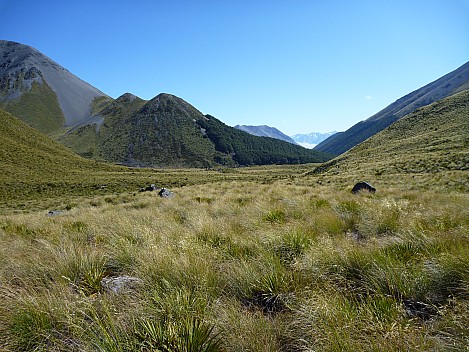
[452, 83]
[309, 140]
[164, 131]
[312, 139]
[265, 131]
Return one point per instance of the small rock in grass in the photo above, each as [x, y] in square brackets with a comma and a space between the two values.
[165, 193]
[54, 213]
[119, 284]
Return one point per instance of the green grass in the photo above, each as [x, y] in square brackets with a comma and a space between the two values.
[271, 258]
[39, 108]
[281, 270]
[429, 147]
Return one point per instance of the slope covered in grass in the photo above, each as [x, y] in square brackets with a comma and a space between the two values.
[433, 140]
[38, 107]
[451, 83]
[169, 132]
[37, 171]
[24, 151]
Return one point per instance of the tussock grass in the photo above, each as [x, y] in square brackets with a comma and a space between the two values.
[426, 149]
[240, 265]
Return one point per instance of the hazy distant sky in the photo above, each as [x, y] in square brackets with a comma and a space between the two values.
[298, 65]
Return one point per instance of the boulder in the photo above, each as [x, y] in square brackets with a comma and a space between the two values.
[165, 193]
[120, 284]
[363, 186]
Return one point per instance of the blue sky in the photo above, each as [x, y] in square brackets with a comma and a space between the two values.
[297, 65]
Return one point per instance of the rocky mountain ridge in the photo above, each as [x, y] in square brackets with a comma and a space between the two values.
[24, 69]
[451, 83]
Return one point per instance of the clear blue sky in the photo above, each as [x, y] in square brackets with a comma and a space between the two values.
[298, 65]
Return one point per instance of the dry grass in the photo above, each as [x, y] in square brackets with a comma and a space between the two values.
[285, 266]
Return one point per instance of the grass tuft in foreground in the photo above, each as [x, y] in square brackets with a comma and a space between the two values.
[240, 266]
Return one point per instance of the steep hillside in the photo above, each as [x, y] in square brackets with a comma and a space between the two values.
[161, 132]
[32, 165]
[168, 131]
[265, 131]
[41, 92]
[454, 82]
[25, 151]
[432, 140]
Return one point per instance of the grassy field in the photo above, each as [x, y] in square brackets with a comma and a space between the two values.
[274, 258]
[39, 173]
[266, 260]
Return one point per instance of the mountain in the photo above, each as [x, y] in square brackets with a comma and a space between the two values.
[164, 131]
[168, 131]
[433, 140]
[38, 172]
[265, 131]
[454, 82]
[312, 139]
[41, 92]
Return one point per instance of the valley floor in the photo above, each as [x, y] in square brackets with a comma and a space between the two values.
[267, 259]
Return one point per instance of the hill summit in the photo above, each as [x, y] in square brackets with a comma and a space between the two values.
[168, 131]
[41, 92]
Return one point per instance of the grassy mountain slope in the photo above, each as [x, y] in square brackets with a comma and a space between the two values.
[38, 107]
[36, 170]
[168, 131]
[24, 151]
[162, 132]
[432, 140]
[84, 139]
[454, 82]
[41, 92]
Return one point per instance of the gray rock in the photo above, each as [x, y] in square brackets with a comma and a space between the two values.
[165, 193]
[120, 284]
[54, 213]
